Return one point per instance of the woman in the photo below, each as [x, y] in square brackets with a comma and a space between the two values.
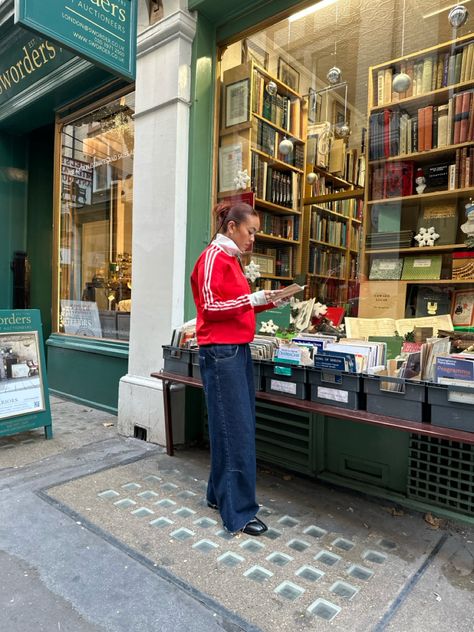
[225, 325]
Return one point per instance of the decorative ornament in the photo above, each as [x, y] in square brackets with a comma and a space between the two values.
[334, 75]
[457, 16]
[420, 181]
[319, 310]
[311, 178]
[271, 88]
[242, 179]
[401, 82]
[285, 147]
[342, 131]
[432, 308]
[427, 236]
[268, 327]
[252, 271]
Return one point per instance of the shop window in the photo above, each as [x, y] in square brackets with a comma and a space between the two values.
[349, 126]
[95, 226]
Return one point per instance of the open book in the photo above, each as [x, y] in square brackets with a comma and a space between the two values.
[365, 327]
[290, 291]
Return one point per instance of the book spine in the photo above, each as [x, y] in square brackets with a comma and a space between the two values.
[452, 178]
[428, 141]
[421, 129]
[434, 143]
[380, 84]
[457, 118]
[464, 122]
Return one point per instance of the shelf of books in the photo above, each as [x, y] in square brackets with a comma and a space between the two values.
[333, 216]
[250, 138]
[420, 177]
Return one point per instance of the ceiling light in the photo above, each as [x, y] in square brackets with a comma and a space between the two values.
[309, 10]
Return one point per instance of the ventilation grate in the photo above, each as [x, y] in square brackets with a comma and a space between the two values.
[441, 472]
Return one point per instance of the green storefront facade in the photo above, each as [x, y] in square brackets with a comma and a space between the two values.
[39, 79]
[388, 463]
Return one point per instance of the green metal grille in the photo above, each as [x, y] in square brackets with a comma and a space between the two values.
[441, 472]
[284, 437]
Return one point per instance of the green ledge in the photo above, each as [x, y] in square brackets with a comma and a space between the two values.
[90, 345]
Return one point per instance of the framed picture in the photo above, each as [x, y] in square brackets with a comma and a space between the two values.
[21, 390]
[288, 75]
[314, 105]
[462, 310]
[252, 51]
[266, 263]
[237, 97]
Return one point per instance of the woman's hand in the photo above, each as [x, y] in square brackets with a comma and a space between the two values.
[272, 296]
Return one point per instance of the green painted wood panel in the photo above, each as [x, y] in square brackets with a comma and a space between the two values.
[40, 221]
[13, 201]
[87, 371]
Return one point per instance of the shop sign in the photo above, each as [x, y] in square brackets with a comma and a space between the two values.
[103, 31]
[24, 399]
[26, 58]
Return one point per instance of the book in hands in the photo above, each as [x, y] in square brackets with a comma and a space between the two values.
[289, 291]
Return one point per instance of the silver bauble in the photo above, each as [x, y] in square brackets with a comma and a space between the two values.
[271, 88]
[285, 147]
[457, 16]
[401, 82]
[343, 131]
[311, 178]
[334, 75]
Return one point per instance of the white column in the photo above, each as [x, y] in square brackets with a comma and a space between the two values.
[163, 89]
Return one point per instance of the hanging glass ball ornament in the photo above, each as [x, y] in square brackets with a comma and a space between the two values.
[401, 82]
[343, 130]
[457, 16]
[271, 88]
[285, 147]
[311, 178]
[334, 75]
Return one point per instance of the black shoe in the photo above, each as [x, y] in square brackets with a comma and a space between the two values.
[212, 505]
[255, 527]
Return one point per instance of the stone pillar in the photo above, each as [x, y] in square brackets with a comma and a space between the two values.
[163, 89]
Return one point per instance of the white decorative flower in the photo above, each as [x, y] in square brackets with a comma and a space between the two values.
[252, 271]
[427, 236]
[319, 310]
[242, 179]
[268, 327]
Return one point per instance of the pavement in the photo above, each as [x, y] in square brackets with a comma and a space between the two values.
[103, 533]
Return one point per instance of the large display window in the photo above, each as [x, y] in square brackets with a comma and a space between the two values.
[350, 127]
[95, 221]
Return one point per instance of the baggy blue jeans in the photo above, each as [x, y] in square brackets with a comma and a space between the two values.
[227, 375]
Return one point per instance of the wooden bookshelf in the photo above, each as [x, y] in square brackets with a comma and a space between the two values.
[274, 177]
[434, 67]
[427, 197]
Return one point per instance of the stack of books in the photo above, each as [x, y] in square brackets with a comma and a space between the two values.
[383, 241]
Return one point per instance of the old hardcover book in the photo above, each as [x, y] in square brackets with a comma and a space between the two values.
[386, 269]
[443, 217]
[422, 268]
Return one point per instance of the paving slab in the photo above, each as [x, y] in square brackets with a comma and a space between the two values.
[331, 559]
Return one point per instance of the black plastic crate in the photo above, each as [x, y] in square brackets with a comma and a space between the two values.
[177, 360]
[195, 368]
[284, 379]
[410, 403]
[258, 375]
[452, 406]
[336, 388]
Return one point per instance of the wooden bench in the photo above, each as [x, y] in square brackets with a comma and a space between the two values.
[360, 416]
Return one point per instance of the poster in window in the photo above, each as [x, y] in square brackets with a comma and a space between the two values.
[288, 75]
[237, 103]
[21, 383]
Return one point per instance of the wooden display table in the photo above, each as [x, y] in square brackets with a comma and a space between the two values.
[312, 407]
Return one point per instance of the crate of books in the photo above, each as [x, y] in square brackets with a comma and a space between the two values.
[451, 397]
[177, 360]
[282, 378]
[336, 388]
[396, 397]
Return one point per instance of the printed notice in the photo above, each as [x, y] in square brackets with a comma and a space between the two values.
[334, 394]
[283, 387]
